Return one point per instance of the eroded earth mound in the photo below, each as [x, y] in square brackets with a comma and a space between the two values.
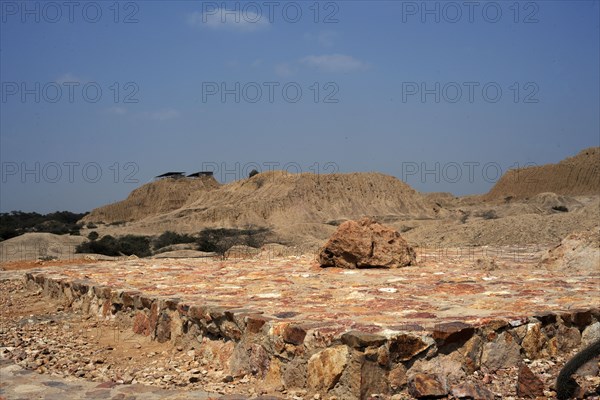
[578, 175]
[153, 198]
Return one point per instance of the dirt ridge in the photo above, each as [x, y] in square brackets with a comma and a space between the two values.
[574, 176]
[153, 198]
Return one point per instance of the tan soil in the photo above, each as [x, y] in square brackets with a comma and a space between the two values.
[579, 175]
[31, 246]
[153, 198]
[303, 210]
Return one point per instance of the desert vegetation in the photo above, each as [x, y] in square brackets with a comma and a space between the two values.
[123, 246]
[170, 238]
[219, 240]
[16, 223]
[211, 240]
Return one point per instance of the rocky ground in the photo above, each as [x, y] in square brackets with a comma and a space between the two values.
[39, 335]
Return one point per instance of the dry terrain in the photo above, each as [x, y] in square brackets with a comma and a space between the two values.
[505, 289]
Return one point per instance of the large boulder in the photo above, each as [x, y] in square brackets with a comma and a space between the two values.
[366, 244]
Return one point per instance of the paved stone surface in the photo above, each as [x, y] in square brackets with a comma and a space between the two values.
[444, 287]
[301, 330]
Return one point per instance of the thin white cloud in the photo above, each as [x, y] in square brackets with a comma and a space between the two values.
[284, 70]
[163, 115]
[334, 63]
[117, 110]
[233, 20]
[68, 77]
[323, 38]
[232, 64]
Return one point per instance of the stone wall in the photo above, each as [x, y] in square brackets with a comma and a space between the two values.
[324, 358]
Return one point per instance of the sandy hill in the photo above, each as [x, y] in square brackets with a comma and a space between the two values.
[290, 204]
[153, 198]
[279, 198]
[31, 246]
[579, 251]
[304, 209]
[578, 175]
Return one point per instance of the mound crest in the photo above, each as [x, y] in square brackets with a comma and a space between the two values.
[153, 198]
[579, 175]
[281, 199]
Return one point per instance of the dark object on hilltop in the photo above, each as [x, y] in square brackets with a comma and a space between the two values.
[174, 175]
[566, 386]
[366, 244]
[560, 208]
[200, 174]
[252, 173]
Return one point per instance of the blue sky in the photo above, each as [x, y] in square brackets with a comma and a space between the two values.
[99, 97]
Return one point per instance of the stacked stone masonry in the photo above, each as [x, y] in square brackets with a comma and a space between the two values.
[376, 335]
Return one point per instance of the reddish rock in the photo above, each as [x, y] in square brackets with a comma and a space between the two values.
[472, 391]
[254, 323]
[365, 243]
[325, 368]
[141, 324]
[128, 298]
[405, 347]
[470, 353]
[153, 317]
[258, 360]
[582, 318]
[106, 308]
[103, 292]
[357, 339]
[397, 377]
[163, 328]
[294, 334]
[171, 303]
[534, 341]
[502, 352]
[452, 332]
[373, 380]
[425, 385]
[229, 329]
[528, 384]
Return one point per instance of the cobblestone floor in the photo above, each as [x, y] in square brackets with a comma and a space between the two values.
[447, 285]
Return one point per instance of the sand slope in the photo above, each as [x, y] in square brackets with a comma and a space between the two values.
[578, 175]
[151, 199]
[31, 246]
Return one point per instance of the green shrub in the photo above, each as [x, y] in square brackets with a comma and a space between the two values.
[126, 245]
[93, 235]
[252, 173]
[168, 238]
[219, 240]
[132, 244]
[16, 223]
